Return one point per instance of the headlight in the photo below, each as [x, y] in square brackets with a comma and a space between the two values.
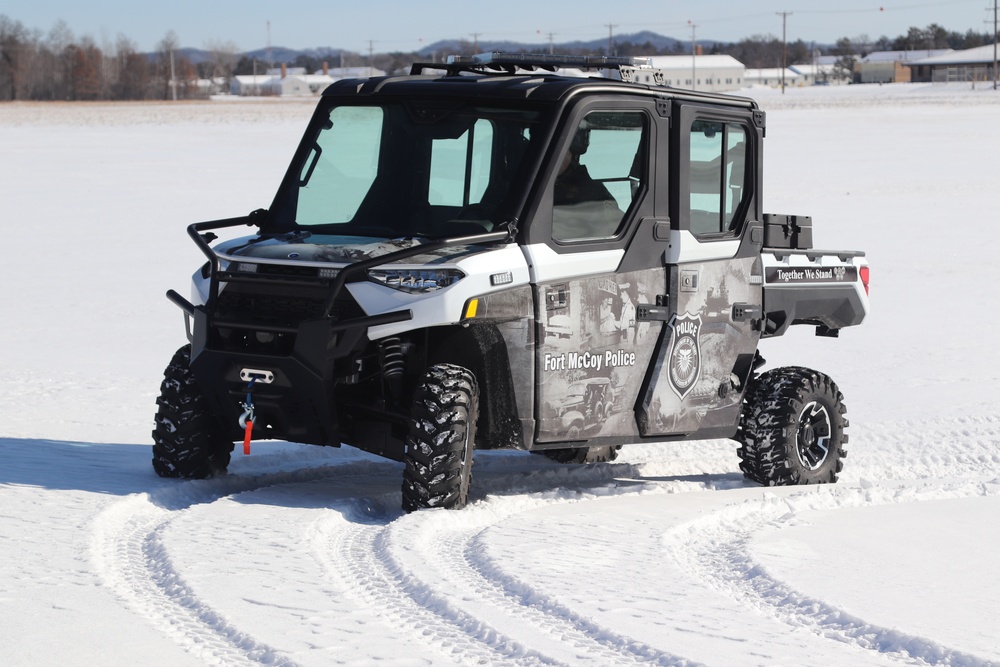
[416, 280]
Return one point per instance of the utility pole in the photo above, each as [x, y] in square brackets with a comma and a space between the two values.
[551, 43]
[475, 42]
[371, 56]
[994, 44]
[784, 47]
[173, 77]
[611, 39]
[694, 48]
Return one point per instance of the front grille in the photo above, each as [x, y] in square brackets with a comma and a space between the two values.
[277, 309]
[294, 270]
[250, 316]
[285, 305]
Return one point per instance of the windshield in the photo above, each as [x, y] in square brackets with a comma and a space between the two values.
[405, 169]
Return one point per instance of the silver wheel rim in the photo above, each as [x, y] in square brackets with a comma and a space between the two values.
[813, 436]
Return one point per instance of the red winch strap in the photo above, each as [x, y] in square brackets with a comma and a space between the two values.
[246, 437]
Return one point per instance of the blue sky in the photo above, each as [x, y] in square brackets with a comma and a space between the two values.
[404, 26]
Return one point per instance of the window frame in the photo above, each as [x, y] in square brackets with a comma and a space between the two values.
[747, 209]
[642, 205]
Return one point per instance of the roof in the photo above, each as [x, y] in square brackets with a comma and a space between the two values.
[535, 86]
[360, 71]
[979, 55]
[263, 80]
[684, 62]
[772, 73]
[812, 70]
[903, 56]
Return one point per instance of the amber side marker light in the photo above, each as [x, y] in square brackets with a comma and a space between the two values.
[470, 309]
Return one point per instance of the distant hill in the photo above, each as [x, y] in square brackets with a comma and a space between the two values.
[281, 54]
[658, 42]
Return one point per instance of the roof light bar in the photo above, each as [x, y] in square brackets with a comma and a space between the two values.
[498, 60]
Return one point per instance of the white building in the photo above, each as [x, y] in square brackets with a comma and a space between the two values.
[969, 65]
[891, 66]
[771, 77]
[277, 86]
[288, 81]
[716, 73]
[821, 71]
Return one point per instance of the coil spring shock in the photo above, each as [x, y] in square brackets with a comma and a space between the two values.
[393, 364]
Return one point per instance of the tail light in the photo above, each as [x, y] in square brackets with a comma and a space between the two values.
[864, 277]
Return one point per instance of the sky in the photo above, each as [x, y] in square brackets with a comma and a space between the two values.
[410, 26]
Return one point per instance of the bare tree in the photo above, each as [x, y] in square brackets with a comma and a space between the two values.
[13, 43]
[225, 56]
[85, 71]
[133, 79]
[165, 65]
[59, 39]
[843, 68]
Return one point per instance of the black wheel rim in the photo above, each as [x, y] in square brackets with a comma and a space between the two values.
[812, 440]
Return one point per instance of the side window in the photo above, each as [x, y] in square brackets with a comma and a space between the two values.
[342, 167]
[718, 170]
[600, 175]
[460, 168]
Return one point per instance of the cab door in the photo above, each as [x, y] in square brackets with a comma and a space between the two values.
[594, 259]
[715, 280]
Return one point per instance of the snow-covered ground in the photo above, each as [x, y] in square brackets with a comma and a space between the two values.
[300, 556]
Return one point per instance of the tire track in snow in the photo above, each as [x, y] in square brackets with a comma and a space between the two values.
[363, 560]
[427, 572]
[716, 549]
[133, 562]
[129, 555]
[591, 642]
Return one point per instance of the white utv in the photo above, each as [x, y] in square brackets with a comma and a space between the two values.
[486, 254]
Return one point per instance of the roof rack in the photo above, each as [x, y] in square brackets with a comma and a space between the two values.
[510, 63]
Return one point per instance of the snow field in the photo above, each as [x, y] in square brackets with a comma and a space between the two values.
[300, 556]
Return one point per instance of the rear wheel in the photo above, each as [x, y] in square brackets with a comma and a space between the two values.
[188, 441]
[792, 429]
[442, 437]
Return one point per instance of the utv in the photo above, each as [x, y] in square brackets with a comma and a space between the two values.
[488, 254]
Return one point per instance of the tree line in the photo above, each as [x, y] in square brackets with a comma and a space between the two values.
[61, 66]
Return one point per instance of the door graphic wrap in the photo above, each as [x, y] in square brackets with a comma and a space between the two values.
[693, 384]
[593, 353]
[685, 353]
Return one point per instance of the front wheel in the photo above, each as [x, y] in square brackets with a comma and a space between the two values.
[442, 437]
[188, 440]
[792, 429]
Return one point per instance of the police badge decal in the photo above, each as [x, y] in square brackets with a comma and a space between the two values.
[685, 353]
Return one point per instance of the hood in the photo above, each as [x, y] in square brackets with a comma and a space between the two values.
[332, 249]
